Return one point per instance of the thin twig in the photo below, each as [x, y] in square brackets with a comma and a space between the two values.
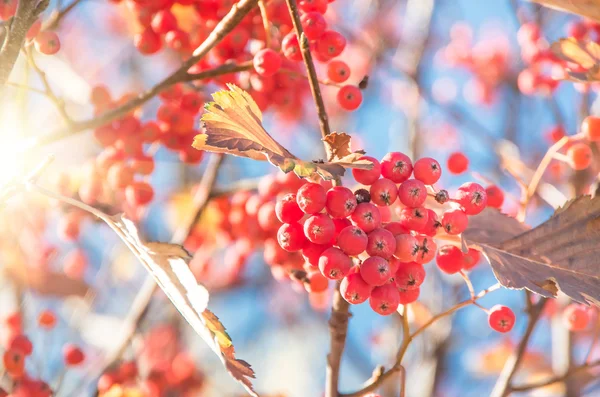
[555, 379]
[58, 16]
[225, 26]
[266, 23]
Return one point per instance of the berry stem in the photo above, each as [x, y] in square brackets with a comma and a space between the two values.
[57, 16]
[313, 80]
[266, 23]
[503, 385]
[465, 277]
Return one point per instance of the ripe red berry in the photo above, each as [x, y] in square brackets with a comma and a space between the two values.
[427, 249]
[349, 97]
[341, 224]
[14, 363]
[409, 275]
[472, 197]
[178, 40]
[290, 46]
[47, 319]
[501, 318]
[431, 228]
[311, 198]
[147, 42]
[471, 259]
[312, 252]
[383, 192]
[267, 62]
[354, 289]
[591, 128]
[314, 25]
[367, 177]
[288, 210]
[381, 243]
[414, 218]
[427, 170]
[495, 196]
[47, 42]
[291, 237]
[457, 163]
[396, 166]
[338, 71]
[580, 156]
[340, 202]
[330, 44]
[375, 271]
[450, 259]
[73, 355]
[164, 21]
[455, 221]
[334, 264]
[319, 6]
[352, 240]
[396, 228]
[319, 229]
[407, 248]
[139, 193]
[316, 282]
[407, 296]
[412, 193]
[367, 217]
[385, 299]
[20, 343]
[576, 317]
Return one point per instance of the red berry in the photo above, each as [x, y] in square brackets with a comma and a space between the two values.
[412, 193]
[47, 42]
[580, 156]
[450, 259]
[472, 197]
[267, 62]
[396, 166]
[291, 237]
[591, 128]
[147, 42]
[20, 343]
[576, 317]
[352, 240]
[319, 229]
[290, 46]
[457, 163]
[414, 218]
[177, 40]
[330, 44]
[383, 192]
[311, 198]
[354, 289]
[349, 97]
[341, 224]
[495, 196]
[375, 271]
[501, 318]
[316, 282]
[409, 275]
[319, 6]
[407, 248]
[427, 249]
[164, 21]
[73, 355]
[367, 177]
[396, 228]
[381, 243]
[407, 296]
[471, 259]
[427, 170]
[14, 363]
[47, 319]
[288, 210]
[139, 194]
[338, 71]
[312, 252]
[142, 165]
[455, 221]
[385, 299]
[340, 202]
[334, 264]
[367, 217]
[314, 25]
[432, 225]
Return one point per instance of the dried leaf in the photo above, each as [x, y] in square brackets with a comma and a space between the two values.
[560, 254]
[587, 8]
[233, 125]
[584, 54]
[169, 265]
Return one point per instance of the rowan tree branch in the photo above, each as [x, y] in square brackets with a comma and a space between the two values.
[555, 379]
[225, 25]
[57, 16]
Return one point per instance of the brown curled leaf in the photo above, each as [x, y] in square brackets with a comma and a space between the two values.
[586, 8]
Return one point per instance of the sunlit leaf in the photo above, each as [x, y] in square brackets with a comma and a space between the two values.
[558, 255]
[233, 125]
[587, 8]
[584, 54]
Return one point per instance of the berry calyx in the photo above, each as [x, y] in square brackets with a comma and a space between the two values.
[501, 318]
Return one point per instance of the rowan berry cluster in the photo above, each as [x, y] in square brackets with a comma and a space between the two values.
[18, 348]
[353, 237]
